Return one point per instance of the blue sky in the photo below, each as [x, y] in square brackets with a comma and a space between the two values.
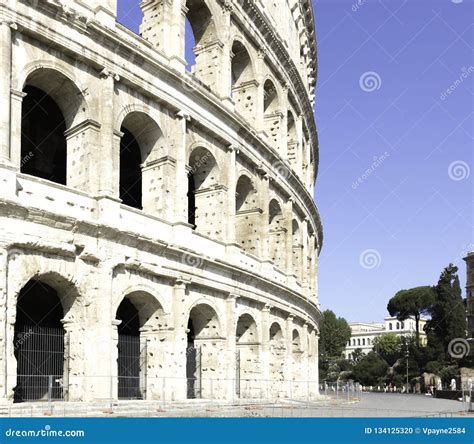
[395, 188]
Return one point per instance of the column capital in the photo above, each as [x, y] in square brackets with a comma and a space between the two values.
[17, 95]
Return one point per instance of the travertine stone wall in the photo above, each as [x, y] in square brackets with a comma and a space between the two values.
[241, 124]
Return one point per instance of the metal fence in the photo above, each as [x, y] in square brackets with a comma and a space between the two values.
[351, 391]
[42, 363]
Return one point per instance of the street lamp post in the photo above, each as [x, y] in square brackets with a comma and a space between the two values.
[407, 354]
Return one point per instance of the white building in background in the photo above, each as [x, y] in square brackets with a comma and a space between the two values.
[364, 334]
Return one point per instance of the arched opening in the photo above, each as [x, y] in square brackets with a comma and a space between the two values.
[277, 359]
[297, 253]
[277, 234]
[200, 31]
[293, 155]
[39, 343]
[52, 105]
[243, 84]
[241, 67]
[296, 354]
[271, 116]
[248, 357]
[138, 312]
[140, 139]
[202, 364]
[43, 143]
[247, 215]
[203, 193]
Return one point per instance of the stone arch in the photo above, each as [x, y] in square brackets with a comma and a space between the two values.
[139, 314]
[201, 35]
[204, 344]
[272, 116]
[277, 233]
[292, 140]
[248, 352]
[277, 348]
[58, 81]
[52, 108]
[139, 145]
[44, 312]
[242, 63]
[296, 343]
[205, 193]
[247, 215]
[297, 250]
[243, 83]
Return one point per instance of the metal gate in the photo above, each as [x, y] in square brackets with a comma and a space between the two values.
[194, 373]
[132, 365]
[237, 372]
[41, 353]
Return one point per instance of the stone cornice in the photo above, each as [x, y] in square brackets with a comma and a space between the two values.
[153, 60]
[274, 42]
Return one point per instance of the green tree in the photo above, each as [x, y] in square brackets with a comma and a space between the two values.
[448, 315]
[388, 346]
[413, 302]
[334, 335]
[370, 369]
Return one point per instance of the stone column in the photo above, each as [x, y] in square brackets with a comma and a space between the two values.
[177, 388]
[231, 347]
[83, 144]
[163, 26]
[259, 75]
[289, 356]
[5, 86]
[304, 258]
[231, 191]
[264, 192]
[224, 88]
[265, 348]
[107, 151]
[300, 154]
[178, 145]
[3, 323]
[111, 383]
[288, 225]
[16, 99]
[283, 145]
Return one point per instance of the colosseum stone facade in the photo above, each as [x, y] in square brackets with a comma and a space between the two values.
[158, 235]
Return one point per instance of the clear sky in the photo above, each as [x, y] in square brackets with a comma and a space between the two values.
[395, 186]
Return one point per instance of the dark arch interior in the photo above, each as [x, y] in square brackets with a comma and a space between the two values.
[38, 343]
[192, 375]
[130, 317]
[129, 351]
[130, 170]
[191, 200]
[43, 143]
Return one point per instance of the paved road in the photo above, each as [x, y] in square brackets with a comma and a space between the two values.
[380, 405]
